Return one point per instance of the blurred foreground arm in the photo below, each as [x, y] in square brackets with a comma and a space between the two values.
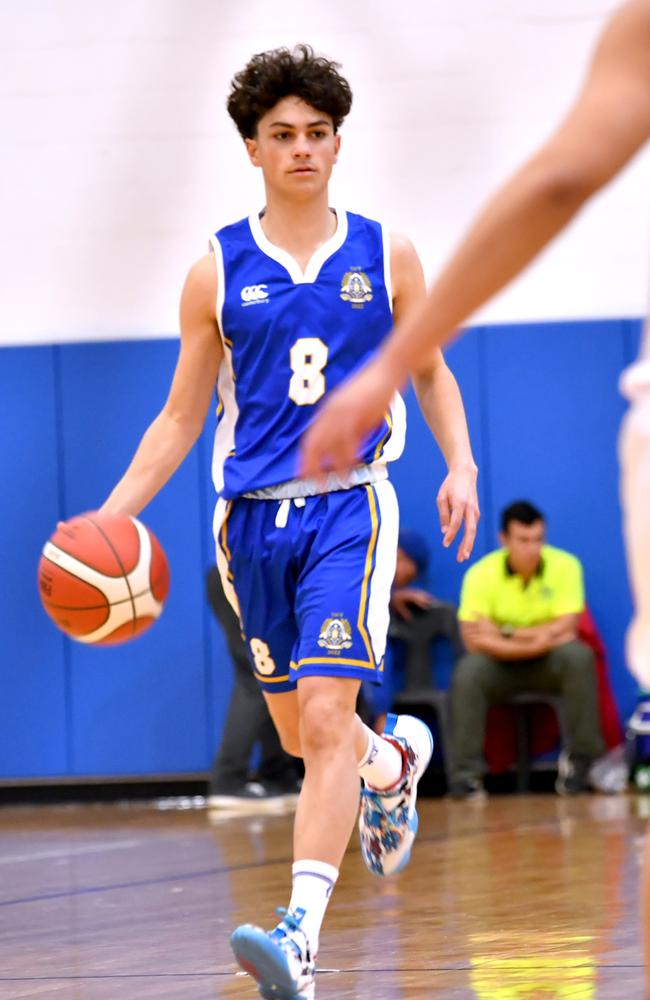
[607, 126]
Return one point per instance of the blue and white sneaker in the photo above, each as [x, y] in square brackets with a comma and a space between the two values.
[387, 836]
[280, 960]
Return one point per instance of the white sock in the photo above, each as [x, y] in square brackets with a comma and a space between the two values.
[313, 882]
[382, 765]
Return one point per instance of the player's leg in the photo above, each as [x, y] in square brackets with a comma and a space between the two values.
[283, 961]
[348, 544]
[319, 723]
[379, 762]
[342, 610]
[254, 558]
[283, 709]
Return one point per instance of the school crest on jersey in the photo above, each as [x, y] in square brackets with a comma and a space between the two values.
[335, 634]
[356, 288]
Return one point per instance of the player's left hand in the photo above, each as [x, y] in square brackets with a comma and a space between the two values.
[457, 502]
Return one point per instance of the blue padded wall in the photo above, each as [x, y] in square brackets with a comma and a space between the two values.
[139, 707]
[419, 473]
[543, 410]
[33, 673]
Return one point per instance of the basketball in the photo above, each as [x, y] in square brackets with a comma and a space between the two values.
[103, 578]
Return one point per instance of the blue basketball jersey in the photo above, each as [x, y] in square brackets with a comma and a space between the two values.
[290, 338]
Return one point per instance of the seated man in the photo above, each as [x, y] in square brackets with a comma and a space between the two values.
[519, 611]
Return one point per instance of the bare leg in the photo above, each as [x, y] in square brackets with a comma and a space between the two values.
[285, 712]
[634, 454]
[329, 801]
[635, 491]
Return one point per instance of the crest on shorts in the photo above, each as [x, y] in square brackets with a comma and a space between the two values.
[335, 634]
[356, 288]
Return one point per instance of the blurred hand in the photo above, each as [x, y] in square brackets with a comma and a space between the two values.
[333, 442]
[403, 597]
[457, 502]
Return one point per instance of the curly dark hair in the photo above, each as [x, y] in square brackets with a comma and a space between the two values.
[270, 76]
[521, 511]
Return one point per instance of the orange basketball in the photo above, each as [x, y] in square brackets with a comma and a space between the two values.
[103, 578]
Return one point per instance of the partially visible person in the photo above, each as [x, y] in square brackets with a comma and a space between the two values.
[405, 600]
[412, 563]
[247, 724]
[519, 611]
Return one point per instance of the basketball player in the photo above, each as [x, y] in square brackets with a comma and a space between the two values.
[608, 124]
[288, 303]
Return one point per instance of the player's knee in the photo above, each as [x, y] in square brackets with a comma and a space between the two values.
[325, 722]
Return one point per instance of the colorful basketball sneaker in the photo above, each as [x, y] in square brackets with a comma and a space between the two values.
[279, 960]
[387, 834]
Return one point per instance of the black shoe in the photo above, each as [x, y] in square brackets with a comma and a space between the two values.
[253, 797]
[467, 788]
[284, 784]
[572, 774]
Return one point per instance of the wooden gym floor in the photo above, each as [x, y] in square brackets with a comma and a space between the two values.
[518, 897]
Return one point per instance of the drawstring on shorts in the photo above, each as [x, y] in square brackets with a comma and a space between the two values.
[284, 507]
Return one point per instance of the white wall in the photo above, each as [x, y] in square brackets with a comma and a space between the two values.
[117, 156]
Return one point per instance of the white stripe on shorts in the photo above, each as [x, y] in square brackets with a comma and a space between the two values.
[384, 571]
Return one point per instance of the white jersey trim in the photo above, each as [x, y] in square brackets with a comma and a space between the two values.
[395, 444]
[221, 282]
[388, 279]
[288, 262]
[224, 438]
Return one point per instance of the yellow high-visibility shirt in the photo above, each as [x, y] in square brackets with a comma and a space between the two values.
[492, 590]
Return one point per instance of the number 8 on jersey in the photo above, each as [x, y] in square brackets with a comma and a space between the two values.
[307, 357]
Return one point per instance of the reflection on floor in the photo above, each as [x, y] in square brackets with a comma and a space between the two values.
[517, 897]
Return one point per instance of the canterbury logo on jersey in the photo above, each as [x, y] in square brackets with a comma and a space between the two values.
[254, 294]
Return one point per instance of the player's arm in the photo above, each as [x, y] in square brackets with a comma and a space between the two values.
[442, 407]
[170, 437]
[608, 124]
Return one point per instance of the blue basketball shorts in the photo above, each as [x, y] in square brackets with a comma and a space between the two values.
[310, 580]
